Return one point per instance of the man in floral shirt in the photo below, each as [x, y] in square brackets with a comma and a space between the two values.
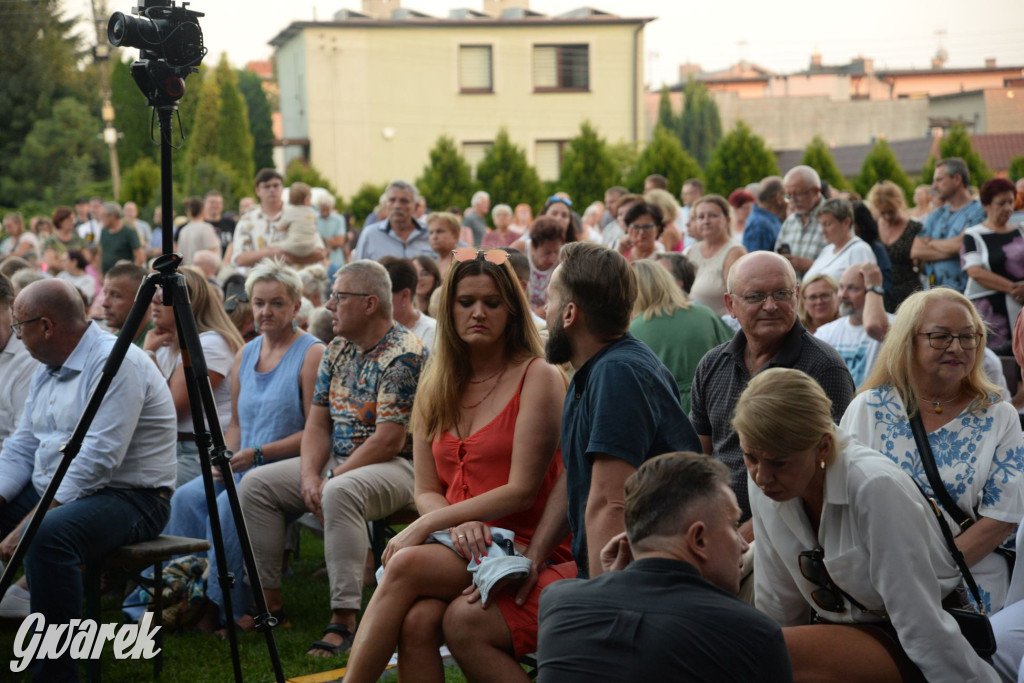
[356, 454]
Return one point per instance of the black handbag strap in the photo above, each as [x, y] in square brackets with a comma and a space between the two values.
[924, 449]
[958, 557]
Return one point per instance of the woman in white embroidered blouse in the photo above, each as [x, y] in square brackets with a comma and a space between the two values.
[932, 364]
[843, 248]
[849, 559]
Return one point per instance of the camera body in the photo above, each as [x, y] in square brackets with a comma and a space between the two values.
[170, 44]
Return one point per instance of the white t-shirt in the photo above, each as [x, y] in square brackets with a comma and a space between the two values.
[855, 347]
[832, 262]
[220, 359]
[425, 328]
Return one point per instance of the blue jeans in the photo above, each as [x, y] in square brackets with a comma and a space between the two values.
[190, 517]
[80, 532]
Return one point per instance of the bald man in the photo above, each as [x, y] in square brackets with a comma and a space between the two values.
[117, 490]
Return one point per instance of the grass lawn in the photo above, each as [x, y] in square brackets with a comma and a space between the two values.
[198, 658]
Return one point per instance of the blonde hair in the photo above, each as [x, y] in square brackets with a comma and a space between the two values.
[896, 359]
[785, 411]
[887, 193]
[449, 220]
[208, 310]
[448, 370]
[804, 315]
[664, 200]
[657, 293]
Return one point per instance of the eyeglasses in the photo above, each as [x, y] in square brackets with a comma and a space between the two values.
[495, 256]
[816, 298]
[338, 297]
[799, 195]
[943, 340]
[16, 326]
[781, 296]
[827, 596]
[642, 226]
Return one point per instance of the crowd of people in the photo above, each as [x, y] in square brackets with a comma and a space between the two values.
[699, 439]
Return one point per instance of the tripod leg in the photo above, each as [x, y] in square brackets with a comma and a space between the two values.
[201, 400]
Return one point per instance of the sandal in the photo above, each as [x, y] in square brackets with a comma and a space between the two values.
[334, 650]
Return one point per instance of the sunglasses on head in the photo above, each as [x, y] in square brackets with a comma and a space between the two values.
[232, 301]
[495, 256]
[563, 200]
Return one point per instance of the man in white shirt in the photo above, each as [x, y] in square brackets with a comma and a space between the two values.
[117, 489]
[404, 278]
[858, 335]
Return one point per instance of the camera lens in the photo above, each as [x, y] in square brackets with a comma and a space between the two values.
[120, 28]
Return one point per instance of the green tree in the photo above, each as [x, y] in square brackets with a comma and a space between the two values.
[234, 140]
[133, 117]
[59, 155]
[588, 168]
[201, 136]
[881, 164]
[741, 157]
[260, 121]
[666, 117]
[818, 156]
[700, 127]
[447, 179]
[141, 183]
[365, 200]
[664, 155]
[301, 171]
[958, 144]
[39, 51]
[1016, 168]
[213, 173]
[506, 174]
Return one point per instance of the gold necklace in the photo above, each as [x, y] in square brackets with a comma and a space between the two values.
[489, 392]
[937, 405]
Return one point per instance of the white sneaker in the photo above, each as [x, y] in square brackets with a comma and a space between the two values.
[15, 604]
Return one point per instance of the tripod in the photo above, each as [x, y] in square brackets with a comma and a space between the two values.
[213, 451]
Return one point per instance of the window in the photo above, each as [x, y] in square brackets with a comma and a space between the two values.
[561, 68]
[473, 153]
[475, 73]
[547, 158]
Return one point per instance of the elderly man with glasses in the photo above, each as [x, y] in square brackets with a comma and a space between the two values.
[801, 231]
[762, 295]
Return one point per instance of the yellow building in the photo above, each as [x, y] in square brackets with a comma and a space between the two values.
[365, 98]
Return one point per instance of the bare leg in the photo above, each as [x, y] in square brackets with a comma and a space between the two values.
[846, 653]
[418, 658]
[425, 571]
[481, 642]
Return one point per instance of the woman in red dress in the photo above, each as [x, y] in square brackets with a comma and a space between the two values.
[486, 426]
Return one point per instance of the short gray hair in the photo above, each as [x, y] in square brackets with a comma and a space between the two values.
[274, 270]
[113, 208]
[373, 279]
[807, 173]
[501, 208]
[478, 195]
[770, 186]
[326, 199]
[840, 208]
[957, 166]
[402, 185]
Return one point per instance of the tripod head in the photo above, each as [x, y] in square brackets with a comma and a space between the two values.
[171, 47]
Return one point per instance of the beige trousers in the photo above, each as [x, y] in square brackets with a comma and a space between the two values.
[271, 493]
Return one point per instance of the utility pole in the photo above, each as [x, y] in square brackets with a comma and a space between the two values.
[101, 56]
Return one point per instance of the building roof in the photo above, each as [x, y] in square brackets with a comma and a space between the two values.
[579, 17]
[998, 149]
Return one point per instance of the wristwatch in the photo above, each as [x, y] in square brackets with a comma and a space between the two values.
[330, 473]
[257, 458]
[877, 289]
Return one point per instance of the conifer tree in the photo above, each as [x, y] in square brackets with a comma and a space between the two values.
[507, 176]
[881, 164]
[818, 156]
[447, 179]
[588, 168]
[741, 157]
[663, 155]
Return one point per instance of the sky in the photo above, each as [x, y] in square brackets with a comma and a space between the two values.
[715, 34]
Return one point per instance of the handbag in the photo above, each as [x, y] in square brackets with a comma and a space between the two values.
[961, 518]
[974, 625]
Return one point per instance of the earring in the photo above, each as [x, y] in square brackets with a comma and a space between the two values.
[295, 328]
[256, 327]
[822, 464]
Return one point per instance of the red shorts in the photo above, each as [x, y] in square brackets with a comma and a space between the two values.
[522, 619]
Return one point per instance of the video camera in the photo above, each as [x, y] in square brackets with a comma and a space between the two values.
[170, 42]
